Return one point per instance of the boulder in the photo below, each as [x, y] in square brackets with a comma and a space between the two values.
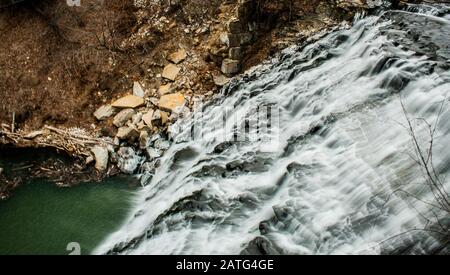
[101, 156]
[105, 112]
[129, 101]
[122, 117]
[1, 171]
[127, 133]
[153, 153]
[170, 102]
[161, 144]
[138, 90]
[171, 72]
[178, 56]
[128, 160]
[230, 66]
[136, 118]
[156, 119]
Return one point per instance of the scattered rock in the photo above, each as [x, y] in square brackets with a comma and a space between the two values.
[108, 131]
[128, 160]
[165, 89]
[171, 72]
[138, 90]
[178, 56]
[129, 101]
[230, 66]
[121, 118]
[143, 140]
[105, 112]
[136, 118]
[154, 101]
[157, 119]
[101, 156]
[127, 133]
[170, 102]
[147, 118]
[153, 153]
[161, 144]
[221, 80]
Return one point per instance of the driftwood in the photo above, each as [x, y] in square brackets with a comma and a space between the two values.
[72, 141]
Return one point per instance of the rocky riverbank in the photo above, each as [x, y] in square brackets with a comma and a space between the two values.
[104, 81]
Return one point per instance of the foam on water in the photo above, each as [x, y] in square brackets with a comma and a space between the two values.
[326, 184]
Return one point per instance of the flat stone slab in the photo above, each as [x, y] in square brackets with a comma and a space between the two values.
[129, 101]
[170, 102]
[171, 72]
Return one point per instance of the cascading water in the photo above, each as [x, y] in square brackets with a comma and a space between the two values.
[324, 176]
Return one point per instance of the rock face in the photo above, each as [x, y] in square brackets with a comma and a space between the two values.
[121, 118]
[170, 102]
[178, 56]
[129, 101]
[101, 156]
[230, 66]
[105, 112]
[171, 72]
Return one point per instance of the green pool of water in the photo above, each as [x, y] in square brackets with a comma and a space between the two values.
[41, 218]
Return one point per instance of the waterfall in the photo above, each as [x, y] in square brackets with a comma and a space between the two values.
[329, 167]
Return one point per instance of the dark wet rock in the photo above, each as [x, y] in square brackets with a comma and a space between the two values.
[260, 246]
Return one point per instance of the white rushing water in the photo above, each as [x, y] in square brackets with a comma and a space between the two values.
[323, 178]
